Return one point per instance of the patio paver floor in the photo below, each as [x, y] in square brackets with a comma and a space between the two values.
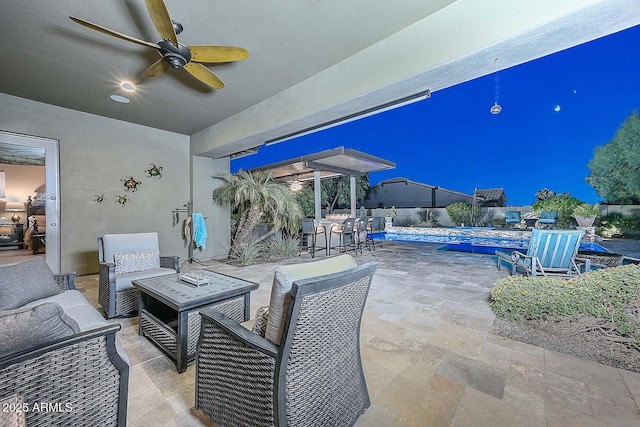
[429, 356]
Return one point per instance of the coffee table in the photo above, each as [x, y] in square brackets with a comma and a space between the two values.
[169, 313]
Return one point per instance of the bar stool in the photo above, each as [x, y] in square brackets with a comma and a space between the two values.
[311, 231]
[346, 234]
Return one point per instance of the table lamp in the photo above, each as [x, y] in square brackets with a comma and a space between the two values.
[14, 207]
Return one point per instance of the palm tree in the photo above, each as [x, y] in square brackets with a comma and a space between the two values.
[257, 197]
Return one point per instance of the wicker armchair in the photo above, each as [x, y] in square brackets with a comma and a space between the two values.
[80, 380]
[314, 377]
[116, 294]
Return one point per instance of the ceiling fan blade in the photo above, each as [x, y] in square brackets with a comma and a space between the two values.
[203, 74]
[156, 69]
[212, 54]
[112, 33]
[161, 19]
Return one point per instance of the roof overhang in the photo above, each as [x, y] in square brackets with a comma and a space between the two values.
[330, 163]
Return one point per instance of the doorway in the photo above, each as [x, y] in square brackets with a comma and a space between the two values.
[16, 149]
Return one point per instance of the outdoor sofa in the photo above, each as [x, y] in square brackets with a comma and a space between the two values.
[60, 364]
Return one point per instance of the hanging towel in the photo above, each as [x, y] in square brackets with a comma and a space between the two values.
[199, 231]
[187, 229]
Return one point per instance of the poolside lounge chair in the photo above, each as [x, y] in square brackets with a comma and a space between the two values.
[512, 218]
[550, 253]
[548, 219]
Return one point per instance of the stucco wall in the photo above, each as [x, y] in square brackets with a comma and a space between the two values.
[95, 154]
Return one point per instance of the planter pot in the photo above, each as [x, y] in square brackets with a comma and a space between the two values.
[585, 221]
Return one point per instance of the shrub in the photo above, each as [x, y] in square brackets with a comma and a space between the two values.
[586, 210]
[611, 294]
[563, 205]
[463, 213]
[245, 254]
[282, 248]
[619, 225]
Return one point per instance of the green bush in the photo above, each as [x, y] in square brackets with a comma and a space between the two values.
[246, 254]
[586, 210]
[619, 225]
[565, 207]
[463, 213]
[612, 294]
[283, 248]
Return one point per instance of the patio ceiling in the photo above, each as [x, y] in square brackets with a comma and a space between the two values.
[335, 162]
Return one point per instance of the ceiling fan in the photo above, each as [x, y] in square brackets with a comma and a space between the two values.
[174, 54]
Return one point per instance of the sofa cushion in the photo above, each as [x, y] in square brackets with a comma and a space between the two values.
[76, 306]
[27, 327]
[25, 282]
[123, 281]
[283, 280]
[136, 261]
[127, 243]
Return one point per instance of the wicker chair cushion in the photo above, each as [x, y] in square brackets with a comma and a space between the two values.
[136, 261]
[284, 278]
[27, 327]
[25, 282]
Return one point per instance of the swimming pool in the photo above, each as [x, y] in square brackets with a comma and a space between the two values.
[475, 244]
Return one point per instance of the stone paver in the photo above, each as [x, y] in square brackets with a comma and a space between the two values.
[429, 356]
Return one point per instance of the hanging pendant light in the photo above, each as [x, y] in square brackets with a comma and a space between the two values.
[496, 108]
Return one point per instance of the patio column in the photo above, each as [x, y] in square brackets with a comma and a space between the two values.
[352, 188]
[317, 193]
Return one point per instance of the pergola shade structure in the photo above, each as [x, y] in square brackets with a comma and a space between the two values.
[327, 164]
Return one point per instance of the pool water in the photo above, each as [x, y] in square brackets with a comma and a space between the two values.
[476, 244]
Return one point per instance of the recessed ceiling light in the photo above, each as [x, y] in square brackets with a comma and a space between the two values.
[128, 86]
[119, 98]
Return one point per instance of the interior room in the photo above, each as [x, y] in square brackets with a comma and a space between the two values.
[23, 183]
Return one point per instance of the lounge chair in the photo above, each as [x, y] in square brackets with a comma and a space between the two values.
[512, 218]
[548, 219]
[550, 253]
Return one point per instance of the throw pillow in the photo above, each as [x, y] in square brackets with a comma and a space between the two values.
[136, 261]
[25, 282]
[28, 327]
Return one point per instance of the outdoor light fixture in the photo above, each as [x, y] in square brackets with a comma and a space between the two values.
[496, 108]
[295, 186]
[410, 99]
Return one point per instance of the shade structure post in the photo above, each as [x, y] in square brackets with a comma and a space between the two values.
[352, 188]
[317, 193]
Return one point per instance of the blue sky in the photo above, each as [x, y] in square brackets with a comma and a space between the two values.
[555, 111]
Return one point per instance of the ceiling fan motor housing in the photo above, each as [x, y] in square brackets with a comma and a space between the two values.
[176, 56]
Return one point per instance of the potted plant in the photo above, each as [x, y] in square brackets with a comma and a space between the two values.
[586, 214]
[390, 213]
